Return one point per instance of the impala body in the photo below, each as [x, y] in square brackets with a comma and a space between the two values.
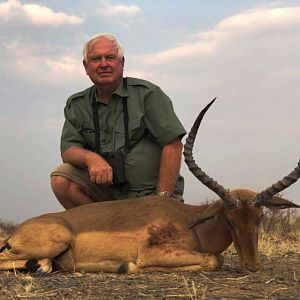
[147, 234]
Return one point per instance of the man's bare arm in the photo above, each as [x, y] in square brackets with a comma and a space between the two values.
[169, 166]
[100, 171]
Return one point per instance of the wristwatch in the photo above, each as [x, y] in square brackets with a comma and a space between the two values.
[164, 194]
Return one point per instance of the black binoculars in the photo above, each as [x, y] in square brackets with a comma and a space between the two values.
[116, 160]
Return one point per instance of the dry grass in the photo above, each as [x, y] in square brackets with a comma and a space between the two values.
[280, 232]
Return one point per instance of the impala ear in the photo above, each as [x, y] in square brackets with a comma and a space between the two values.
[279, 203]
[209, 213]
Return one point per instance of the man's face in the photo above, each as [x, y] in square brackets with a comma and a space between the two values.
[103, 65]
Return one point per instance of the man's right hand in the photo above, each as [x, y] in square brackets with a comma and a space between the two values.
[99, 169]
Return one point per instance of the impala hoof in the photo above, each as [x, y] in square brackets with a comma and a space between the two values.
[32, 265]
[127, 268]
[254, 267]
[39, 266]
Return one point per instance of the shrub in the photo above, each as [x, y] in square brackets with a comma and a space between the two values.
[7, 228]
[283, 222]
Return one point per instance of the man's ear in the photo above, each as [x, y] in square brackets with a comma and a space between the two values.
[85, 66]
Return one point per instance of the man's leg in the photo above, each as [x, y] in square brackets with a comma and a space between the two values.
[69, 193]
[72, 187]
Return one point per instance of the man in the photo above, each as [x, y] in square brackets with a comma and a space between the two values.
[149, 141]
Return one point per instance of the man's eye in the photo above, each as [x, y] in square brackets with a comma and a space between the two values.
[111, 58]
[95, 59]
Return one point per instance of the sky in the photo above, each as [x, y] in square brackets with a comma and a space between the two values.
[245, 53]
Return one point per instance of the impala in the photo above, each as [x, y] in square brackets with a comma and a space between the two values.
[147, 234]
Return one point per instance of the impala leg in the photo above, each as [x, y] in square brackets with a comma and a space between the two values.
[176, 257]
[39, 266]
[11, 264]
[33, 245]
[68, 262]
[172, 258]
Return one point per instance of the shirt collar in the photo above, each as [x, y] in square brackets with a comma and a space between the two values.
[120, 90]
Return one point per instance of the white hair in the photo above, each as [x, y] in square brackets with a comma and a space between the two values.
[97, 37]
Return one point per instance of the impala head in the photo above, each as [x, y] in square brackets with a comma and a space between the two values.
[242, 209]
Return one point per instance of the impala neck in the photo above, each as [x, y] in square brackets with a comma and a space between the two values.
[214, 235]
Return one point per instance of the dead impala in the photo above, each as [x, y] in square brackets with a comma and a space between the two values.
[147, 234]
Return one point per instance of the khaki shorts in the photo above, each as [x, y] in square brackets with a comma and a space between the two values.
[81, 176]
[94, 191]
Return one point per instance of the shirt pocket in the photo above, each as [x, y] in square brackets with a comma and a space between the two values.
[136, 130]
[88, 135]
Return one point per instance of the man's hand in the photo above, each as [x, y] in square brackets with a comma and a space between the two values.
[99, 169]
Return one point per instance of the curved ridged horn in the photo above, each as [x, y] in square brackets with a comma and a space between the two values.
[276, 188]
[189, 160]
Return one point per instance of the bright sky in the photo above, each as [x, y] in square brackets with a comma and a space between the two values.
[244, 52]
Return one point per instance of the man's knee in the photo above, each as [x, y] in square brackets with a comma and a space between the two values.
[61, 184]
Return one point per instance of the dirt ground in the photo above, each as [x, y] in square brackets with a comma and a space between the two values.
[279, 278]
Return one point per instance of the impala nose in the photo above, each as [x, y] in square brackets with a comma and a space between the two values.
[254, 267]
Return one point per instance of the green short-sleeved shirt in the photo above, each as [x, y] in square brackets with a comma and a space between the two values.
[152, 125]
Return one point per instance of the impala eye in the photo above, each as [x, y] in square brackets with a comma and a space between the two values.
[229, 223]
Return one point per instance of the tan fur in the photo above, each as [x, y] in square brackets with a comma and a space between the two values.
[145, 234]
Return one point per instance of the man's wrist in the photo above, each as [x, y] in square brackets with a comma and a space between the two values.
[164, 194]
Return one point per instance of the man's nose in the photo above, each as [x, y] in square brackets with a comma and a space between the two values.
[103, 62]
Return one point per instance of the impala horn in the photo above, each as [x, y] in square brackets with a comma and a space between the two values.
[276, 188]
[193, 167]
